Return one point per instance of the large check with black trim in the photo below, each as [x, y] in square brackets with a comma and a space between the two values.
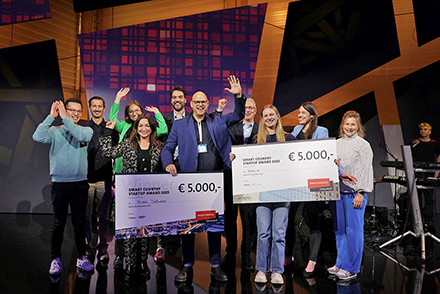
[150, 205]
[302, 170]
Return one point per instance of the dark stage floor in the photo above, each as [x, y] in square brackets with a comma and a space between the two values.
[25, 263]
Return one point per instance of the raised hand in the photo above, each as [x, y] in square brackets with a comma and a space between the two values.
[111, 124]
[152, 109]
[54, 111]
[235, 86]
[222, 104]
[121, 94]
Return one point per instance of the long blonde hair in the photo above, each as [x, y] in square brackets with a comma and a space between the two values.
[262, 129]
[357, 117]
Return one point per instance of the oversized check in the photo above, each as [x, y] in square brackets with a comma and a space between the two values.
[302, 170]
[159, 204]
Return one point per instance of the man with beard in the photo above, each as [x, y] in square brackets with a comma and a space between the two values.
[99, 175]
[178, 101]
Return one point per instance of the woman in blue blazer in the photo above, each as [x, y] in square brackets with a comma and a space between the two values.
[307, 129]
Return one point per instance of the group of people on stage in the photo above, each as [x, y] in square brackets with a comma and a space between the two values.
[81, 169]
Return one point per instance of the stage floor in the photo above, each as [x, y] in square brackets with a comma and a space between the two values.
[25, 260]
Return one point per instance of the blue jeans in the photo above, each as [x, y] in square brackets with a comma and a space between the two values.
[349, 231]
[271, 225]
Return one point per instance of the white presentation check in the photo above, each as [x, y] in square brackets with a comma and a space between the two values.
[167, 201]
[302, 170]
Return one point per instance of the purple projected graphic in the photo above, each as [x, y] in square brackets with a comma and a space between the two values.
[13, 11]
[197, 52]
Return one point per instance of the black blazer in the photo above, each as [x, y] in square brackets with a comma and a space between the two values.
[169, 119]
[236, 133]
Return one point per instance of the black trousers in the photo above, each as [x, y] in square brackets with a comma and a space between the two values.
[65, 194]
[248, 221]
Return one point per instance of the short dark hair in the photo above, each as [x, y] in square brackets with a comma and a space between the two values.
[96, 98]
[178, 88]
[72, 100]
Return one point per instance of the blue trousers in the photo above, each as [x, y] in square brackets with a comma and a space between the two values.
[271, 225]
[349, 231]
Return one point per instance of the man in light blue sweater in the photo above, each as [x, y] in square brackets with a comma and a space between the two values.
[68, 168]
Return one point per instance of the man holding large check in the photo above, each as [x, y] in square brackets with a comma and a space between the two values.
[204, 145]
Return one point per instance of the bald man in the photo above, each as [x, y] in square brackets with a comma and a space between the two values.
[204, 145]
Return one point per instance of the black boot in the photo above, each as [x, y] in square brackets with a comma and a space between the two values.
[145, 270]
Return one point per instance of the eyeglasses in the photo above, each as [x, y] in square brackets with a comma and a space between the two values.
[135, 111]
[249, 107]
[74, 110]
[200, 102]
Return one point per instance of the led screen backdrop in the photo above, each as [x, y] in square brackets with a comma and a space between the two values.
[197, 52]
[13, 11]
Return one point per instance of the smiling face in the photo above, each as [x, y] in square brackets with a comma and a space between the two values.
[73, 111]
[250, 110]
[199, 105]
[144, 129]
[97, 108]
[270, 118]
[304, 117]
[350, 126]
[134, 111]
[178, 100]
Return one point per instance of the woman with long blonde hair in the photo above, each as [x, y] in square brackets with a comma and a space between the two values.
[271, 217]
[355, 158]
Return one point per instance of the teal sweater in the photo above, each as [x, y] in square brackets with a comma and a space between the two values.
[68, 149]
[122, 127]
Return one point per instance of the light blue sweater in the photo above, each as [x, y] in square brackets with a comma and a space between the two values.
[68, 149]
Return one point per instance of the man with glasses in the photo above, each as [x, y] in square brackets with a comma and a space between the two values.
[68, 168]
[204, 145]
[241, 133]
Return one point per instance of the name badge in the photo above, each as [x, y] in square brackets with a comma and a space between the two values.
[202, 148]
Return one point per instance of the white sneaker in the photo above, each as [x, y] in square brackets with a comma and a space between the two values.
[345, 275]
[333, 270]
[277, 279]
[55, 267]
[260, 277]
[84, 264]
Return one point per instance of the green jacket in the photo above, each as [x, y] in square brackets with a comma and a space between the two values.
[122, 127]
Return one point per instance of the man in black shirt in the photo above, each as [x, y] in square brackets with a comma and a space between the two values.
[99, 176]
[425, 149]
